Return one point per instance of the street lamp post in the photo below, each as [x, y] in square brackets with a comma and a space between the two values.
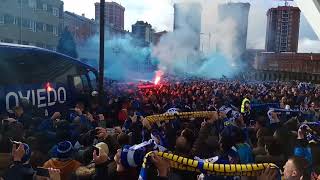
[101, 52]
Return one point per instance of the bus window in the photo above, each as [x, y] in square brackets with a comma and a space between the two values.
[93, 80]
[78, 83]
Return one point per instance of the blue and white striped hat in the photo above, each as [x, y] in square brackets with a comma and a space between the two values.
[131, 157]
[63, 150]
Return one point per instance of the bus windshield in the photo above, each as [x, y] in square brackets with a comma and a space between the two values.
[27, 66]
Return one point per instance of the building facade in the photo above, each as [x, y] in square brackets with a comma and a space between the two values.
[283, 29]
[31, 22]
[143, 33]
[287, 66]
[239, 14]
[187, 17]
[81, 27]
[114, 15]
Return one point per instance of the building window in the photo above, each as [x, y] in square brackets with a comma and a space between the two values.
[44, 7]
[32, 3]
[49, 8]
[49, 28]
[1, 19]
[26, 23]
[8, 41]
[39, 5]
[44, 27]
[55, 31]
[24, 2]
[40, 45]
[17, 20]
[29, 24]
[55, 12]
[8, 19]
[39, 27]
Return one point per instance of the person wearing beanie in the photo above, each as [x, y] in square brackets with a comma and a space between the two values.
[63, 160]
[97, 168]
[21, 168]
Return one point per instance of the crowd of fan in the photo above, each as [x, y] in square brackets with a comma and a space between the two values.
[279, 125]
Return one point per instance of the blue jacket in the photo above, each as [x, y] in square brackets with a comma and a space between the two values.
[303, 150]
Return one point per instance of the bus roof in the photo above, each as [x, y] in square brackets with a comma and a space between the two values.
[38, 49]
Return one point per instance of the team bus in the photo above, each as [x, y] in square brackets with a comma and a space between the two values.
[48, 80]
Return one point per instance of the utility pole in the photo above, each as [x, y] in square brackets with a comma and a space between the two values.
[20, 31]
[101, 52]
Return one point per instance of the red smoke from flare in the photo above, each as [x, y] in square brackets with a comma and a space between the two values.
[158, 77]
[156, 81]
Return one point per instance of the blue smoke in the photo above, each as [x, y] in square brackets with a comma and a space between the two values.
[124, 60]
[216, 66]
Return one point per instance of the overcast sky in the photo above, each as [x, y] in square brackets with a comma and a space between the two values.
[159, 13]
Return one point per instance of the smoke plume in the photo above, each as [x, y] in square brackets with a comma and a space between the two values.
[123, 59]
[176, 52]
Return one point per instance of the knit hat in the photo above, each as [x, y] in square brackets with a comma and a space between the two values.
[63, 150]
[132, 156]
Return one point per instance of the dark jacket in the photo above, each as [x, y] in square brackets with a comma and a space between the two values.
[101, 171]
[19, 171]
[200, 146]
[112, 144]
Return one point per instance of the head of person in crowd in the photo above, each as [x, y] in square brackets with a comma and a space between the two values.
[188, 134]
[296, 168]
[18, 111]
[261, 122]
[63, 150]
[80, 107]
[227, 143]
[123, 139]
[10, 133]
[62, 130]
[63, 159]
[182, 146]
